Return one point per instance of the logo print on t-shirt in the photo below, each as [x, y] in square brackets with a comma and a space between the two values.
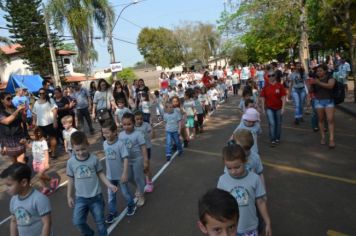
[82, 172]
[241, 195]
[23, 217]
[128, 143]
[110, 154]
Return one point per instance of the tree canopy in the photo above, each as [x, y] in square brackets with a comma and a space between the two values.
[159, 47]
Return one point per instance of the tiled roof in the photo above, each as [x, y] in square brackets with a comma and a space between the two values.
[12, 49]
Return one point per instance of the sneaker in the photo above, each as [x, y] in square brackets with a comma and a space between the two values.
[140, 201]
[277, 141]
[131, 210]
[180, 153]
[110, 218]
[185, 142]
[296, 121]
[54, 184]
[168, 158]
[149, 187]
[273, 144]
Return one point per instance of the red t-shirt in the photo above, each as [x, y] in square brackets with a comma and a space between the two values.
[164, 84]
[253, 72]
[273, 93]
[206, 81]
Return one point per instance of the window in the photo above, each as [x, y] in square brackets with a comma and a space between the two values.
[66, 61]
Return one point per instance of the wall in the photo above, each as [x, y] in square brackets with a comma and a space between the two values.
[16, 66]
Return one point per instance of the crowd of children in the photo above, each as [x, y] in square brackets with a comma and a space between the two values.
[182, 107]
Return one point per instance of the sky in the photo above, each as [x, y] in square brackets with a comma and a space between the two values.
[147, 13]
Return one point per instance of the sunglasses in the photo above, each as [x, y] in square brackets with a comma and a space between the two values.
[41, 93]
[8, 99]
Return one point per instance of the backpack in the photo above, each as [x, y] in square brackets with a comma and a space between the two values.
[338, 92]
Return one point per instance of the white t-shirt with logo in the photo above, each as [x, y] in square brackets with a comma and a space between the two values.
[38, 150]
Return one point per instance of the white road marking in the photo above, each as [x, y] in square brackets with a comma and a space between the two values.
[123, 213]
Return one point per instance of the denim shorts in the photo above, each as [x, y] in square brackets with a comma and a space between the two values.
[323, 103]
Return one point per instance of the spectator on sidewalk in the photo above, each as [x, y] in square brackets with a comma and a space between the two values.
[21, 99]
[103, 102]
[12, 135]
[63, 110]
[298, 92]
[273, 98]
[45, 117]
[83, 104]
[322, 87]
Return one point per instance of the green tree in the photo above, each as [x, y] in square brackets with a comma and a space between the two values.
[159, 47]
[27, 28]
[80, 16]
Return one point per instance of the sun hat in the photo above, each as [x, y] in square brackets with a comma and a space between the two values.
[251, 114]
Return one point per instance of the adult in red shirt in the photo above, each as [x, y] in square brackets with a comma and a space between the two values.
[273, 97]
[206, 79]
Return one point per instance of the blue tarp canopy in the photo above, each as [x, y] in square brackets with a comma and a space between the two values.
[32, 82]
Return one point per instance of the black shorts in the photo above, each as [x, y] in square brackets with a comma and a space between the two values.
[48, 130]
[149, 153]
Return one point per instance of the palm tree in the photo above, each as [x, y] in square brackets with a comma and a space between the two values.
[80, 16]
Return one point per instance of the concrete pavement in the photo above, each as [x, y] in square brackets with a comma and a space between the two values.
[310, 188]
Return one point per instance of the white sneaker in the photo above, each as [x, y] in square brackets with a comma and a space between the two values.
[140, 201]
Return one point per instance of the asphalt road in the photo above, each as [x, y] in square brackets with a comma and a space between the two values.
[311, 189]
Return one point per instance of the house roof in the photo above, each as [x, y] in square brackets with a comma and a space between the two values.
[72, 79]
[12, 49]
[3, 86]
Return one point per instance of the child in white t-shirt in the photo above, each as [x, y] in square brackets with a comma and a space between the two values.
[145, 106]
[41, 162]
[67, 123]
[120, 111]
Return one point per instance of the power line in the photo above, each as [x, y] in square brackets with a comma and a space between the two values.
[125, 41]
[123, 4]
[132, 23]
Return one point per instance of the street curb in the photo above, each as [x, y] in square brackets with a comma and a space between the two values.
[346, 110]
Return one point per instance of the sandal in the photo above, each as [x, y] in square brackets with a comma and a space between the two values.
[332, 144]
[54, 184]
[322, 141]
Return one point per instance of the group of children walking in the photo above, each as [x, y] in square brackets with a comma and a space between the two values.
[127, 147]
[242, 182]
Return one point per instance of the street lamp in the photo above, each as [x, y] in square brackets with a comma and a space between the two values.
[111, 42]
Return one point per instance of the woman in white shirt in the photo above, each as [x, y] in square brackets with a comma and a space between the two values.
[45, 117]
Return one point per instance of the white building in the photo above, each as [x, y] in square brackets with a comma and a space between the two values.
[16, 64]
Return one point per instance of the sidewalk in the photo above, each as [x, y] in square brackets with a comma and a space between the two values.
[349, 106]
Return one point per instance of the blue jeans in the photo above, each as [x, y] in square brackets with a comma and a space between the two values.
[112, 202]
[136, 175]
[314, 116]
[275, 123]
[299, 98]
[80, 214]
[172, 137]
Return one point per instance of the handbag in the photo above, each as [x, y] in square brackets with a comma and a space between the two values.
[105, 113]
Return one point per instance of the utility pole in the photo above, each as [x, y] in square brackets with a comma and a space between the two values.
[57, 80]
[304, 41]
[111, 30]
